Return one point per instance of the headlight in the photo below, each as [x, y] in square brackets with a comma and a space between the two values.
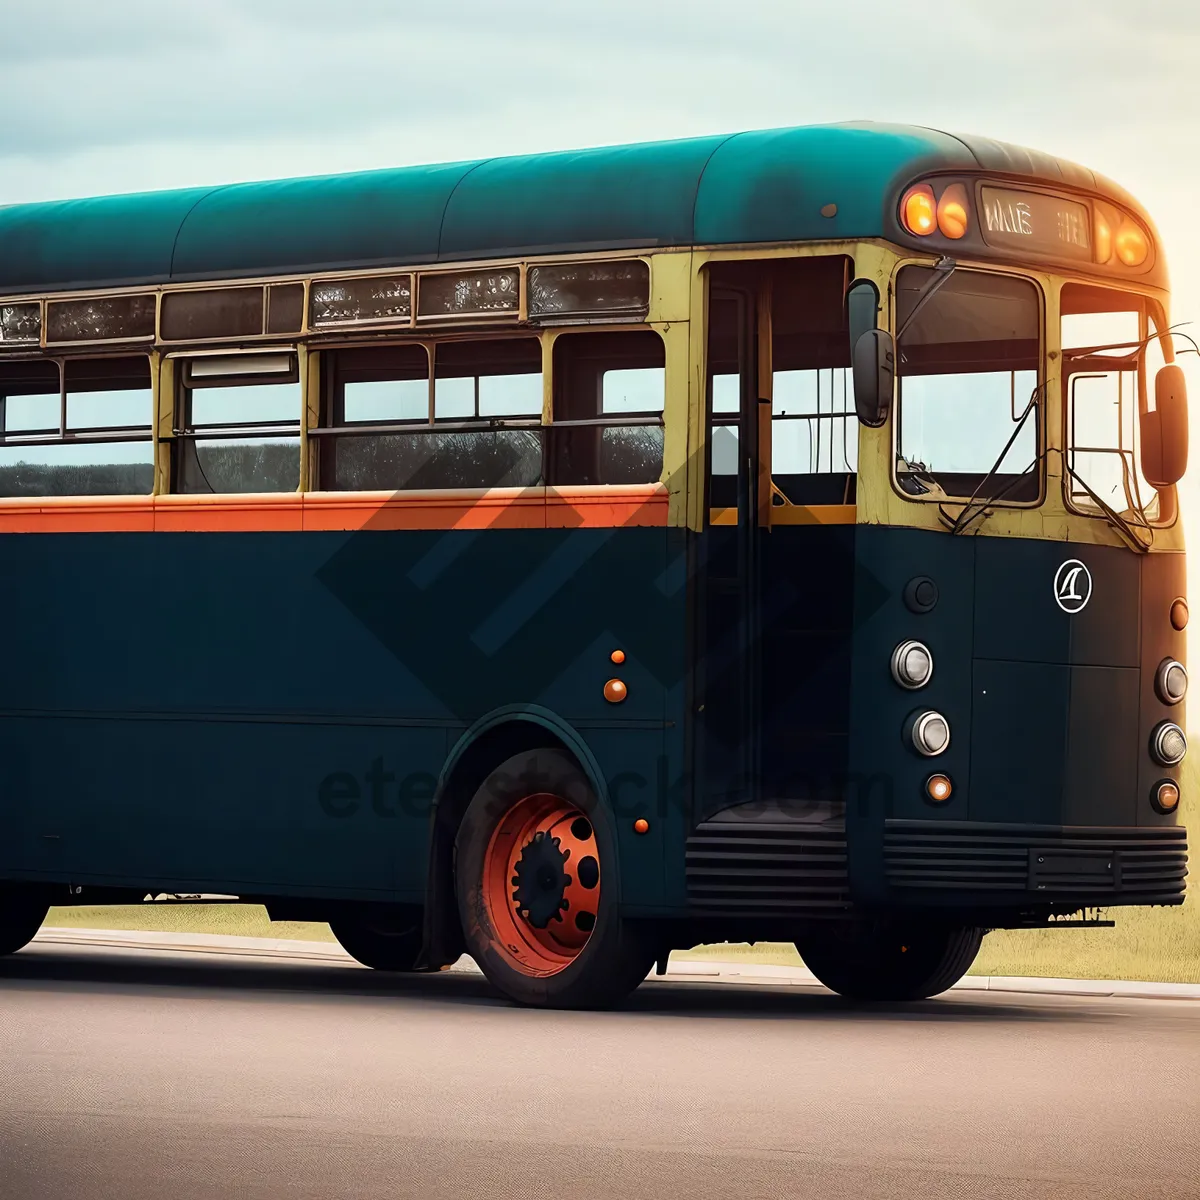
[912, 665]
[1170, 681]
[1168, 744]
[930, 733]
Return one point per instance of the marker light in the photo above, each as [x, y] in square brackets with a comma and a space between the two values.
[952, 211]
[1132, 246]
[1165, 796]
[918, 210]
[930, 734]
[1179, 614]
[1102, 237]
[1168, 744]
[939, 788]
[1170, 681]
[912, 665]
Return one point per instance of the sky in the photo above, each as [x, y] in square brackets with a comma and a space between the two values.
[137, 94]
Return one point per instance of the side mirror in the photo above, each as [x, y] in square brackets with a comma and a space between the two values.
[874, 366]
[1164, 432]
[872, 355]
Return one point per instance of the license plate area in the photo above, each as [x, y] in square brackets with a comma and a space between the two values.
[1055, 870]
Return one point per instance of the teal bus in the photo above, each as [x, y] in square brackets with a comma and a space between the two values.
[568, 558]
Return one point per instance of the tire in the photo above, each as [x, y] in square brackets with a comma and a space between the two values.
[543, 922]
[386, 939]
[889, 961]
[21, 915]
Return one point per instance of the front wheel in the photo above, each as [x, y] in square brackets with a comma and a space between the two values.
[538, 891]
[22, 912]
[891, 962]
[386, 940]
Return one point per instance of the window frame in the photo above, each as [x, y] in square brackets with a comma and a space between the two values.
[324, 431]
[1040, 406]
[184, 432]
[640, 419]
[91, 435]
[1150, 311]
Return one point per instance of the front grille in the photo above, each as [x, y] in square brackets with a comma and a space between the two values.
[774, 868]
[1097, 865]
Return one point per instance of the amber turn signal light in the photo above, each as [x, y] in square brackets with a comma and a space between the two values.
[1165, 796]
[1132, 245]
[615, 691]
[952, 211]
[938, 788]
[618, 656]
[1179, 614]
[918, 210]
[641, 825]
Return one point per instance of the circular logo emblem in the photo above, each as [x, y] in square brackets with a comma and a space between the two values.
[1072, 586]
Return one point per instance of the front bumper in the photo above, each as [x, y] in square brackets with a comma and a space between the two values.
[991, 864]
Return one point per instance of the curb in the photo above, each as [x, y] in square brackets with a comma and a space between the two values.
[678, 971]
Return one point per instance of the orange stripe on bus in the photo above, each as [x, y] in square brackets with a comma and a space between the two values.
[497, 508]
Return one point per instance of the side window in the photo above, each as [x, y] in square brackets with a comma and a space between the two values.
[1103, 363]
[77, 427]
[238, 424]
[814, 430]
[609, 398]
[387, 424]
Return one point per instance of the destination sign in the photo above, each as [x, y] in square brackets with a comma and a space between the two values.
[1035, 221]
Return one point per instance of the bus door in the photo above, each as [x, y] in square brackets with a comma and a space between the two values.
[728, 666]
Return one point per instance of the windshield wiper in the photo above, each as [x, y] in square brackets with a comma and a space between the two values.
[962, 520]
[1118, 522]
[943, 269]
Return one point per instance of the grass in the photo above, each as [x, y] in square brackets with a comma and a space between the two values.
[238, 920]
[1157, 943]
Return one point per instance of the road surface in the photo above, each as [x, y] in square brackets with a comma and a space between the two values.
[139, 1075]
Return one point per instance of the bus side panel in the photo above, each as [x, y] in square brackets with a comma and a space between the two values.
[225, 805]
[270, 711]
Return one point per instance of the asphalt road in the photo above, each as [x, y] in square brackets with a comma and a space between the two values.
[138, 1075]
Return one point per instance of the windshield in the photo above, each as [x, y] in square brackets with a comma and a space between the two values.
[968, 372]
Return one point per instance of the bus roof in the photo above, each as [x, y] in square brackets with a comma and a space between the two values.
[765, 186]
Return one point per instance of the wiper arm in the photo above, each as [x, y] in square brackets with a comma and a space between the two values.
[943, 268]
[1123, 527]
[962, 520]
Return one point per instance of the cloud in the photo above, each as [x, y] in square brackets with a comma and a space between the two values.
[131, 95]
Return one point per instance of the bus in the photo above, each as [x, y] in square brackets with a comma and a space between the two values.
[569, 558]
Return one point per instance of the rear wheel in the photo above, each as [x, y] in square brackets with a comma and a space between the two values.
[387, 939]
[891, 962]
[22, 912]
[538, 890]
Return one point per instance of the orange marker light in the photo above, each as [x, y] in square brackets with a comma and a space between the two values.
[1132, 246]
[1166, 796]
[641, 825]
[618, 656]
[952, 211]
[615, 691]
[1179, 615]
[939, 788]
[918, 210]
